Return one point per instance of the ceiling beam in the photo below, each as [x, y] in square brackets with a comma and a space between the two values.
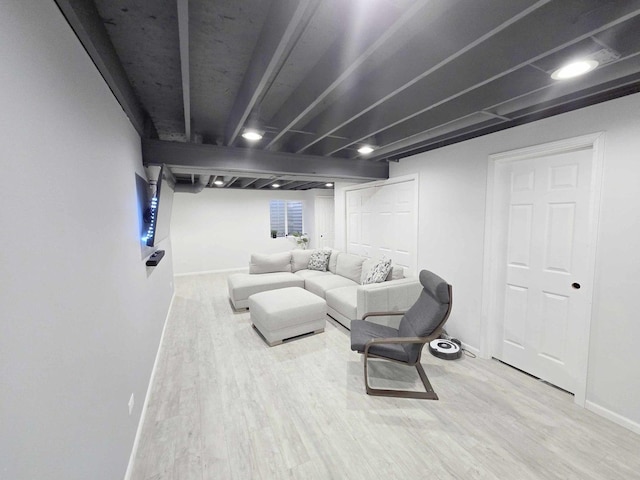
[330, 73]
[201, 158]
[84, 19]
[183, 35]
[285, 22]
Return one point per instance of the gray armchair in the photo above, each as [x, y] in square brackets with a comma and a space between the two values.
[420, 324]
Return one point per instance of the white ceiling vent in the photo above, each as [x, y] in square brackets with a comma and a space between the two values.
[604, 56]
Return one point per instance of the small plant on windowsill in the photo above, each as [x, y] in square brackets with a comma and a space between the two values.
[302, 240]
[274, 233]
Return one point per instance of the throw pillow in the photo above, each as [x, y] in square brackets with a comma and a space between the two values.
[367, 265]
[319, 260]
[378, 272]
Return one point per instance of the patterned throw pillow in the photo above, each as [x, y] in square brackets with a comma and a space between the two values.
[378, 272]
[319, 260]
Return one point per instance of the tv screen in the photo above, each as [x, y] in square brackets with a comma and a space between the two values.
[159, 213]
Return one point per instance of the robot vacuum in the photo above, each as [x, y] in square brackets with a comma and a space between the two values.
[445, 349]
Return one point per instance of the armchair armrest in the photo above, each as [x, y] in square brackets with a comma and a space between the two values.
[382, 314]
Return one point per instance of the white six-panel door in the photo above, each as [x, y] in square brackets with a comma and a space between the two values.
[543, 310]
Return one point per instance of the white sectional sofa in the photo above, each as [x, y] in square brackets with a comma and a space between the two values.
[341, 285]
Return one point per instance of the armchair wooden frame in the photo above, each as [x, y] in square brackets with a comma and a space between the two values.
[429, 393]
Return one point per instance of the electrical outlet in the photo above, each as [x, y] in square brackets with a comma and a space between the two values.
[131, 404]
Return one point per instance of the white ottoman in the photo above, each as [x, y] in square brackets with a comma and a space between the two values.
[287, 312]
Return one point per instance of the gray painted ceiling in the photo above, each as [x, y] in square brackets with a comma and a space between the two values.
[322, 77]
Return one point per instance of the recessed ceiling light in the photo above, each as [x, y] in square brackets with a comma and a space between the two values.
[574, 69]
[251, 134]
[219, 183]
[275, 185]
[328, 184]
[365, 149]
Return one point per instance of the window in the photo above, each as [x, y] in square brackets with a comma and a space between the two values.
[286, 217]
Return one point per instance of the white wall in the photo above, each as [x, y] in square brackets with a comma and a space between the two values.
[80, 315]
[451, 226]
[219, 228]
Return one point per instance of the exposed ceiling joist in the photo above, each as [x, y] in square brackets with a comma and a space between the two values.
[245, 182]
[446, 84]
[183, 33]
[401, 76]
[265, 182]
[231, 181]
[304, 185]
[286, 183]
[328, 75]
[285, 21]
[84, 19]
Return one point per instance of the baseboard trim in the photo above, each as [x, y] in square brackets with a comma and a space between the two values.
[143, 414]
[206, 272]
[614, 417]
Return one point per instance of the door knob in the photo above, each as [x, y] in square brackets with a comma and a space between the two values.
[575, 285]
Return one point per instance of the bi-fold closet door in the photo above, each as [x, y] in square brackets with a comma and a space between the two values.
[382, 221]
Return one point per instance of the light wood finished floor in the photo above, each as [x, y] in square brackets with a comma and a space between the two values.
[225, 405]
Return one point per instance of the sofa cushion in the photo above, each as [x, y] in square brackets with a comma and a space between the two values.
[243, 285]
[333, 260]
[275, 262]
[344, 300]
[350, 266]
[378, 272]
[305, 273]
[323, 283]
[319, 260]
[300, 259]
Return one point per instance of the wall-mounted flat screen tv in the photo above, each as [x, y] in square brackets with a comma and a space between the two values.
[158, 215]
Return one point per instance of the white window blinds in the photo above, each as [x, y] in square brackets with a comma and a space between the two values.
[286, 217]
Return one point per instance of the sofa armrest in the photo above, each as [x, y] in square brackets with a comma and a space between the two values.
[390, 296]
